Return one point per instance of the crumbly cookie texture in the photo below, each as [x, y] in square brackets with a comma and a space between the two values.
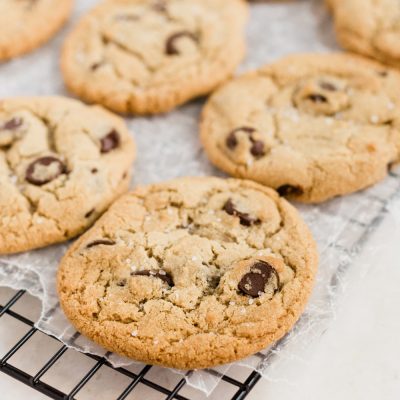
[191, 273]
[149, 56]
[27, 24]
[311, 126]
[369, 27]
[61, 165]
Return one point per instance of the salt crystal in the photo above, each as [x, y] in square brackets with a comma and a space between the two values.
[390, 105]
[194, 258]
[13, 179]
[251, 301]
[134, 333]
[374, 119]
[232, 303]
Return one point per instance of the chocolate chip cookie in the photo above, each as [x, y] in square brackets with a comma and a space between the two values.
[191, 273]
[149, 56]
[26, 24]
[61, 165]
[311, 126]
[369, 27]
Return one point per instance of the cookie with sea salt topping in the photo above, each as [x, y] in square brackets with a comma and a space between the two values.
[311, 126]
[61, 165]
[149, 56]
[190, 273]
[27, 24]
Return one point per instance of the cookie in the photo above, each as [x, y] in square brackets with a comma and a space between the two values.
[311, 126]
[369, 27]
[191, 273]
[27, 24]
[61, 165]
[149, 56]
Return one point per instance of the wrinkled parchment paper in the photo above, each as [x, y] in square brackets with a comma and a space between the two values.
[169, 147]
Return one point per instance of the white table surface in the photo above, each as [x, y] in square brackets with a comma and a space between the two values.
[357, 358]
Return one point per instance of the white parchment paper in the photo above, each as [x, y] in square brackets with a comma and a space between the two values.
[169, 147]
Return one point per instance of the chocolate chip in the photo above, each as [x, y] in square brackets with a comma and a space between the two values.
[170, 46]
[94, 170]
[328, 86]
[44, 170]
[257, 149]
[104, 242]
[253, 283]
[383, 74]
[12, 124]
[317, 98]
[95, 66]
[231, 140]
[160, 274]
[287, 190]
[245, 219]
[122, 283]
[110, 142]
[89, 213]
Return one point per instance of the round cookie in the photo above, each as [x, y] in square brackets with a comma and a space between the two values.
[27, 24]
[311, 126]
[149, 56]
[191, 273]
[369, 27]
[61, 165]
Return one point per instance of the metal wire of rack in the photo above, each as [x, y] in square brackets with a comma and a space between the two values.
[35, 381]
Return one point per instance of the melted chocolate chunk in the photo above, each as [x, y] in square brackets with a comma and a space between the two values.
[231, 140]
[99, 242]
[160, 274]
[253, 283]
[257, 149]
[122, 283]
[287, 190]
[110, 142]
[317, 98]
[12, 124]
[170, 46]
[244, 218]
[44, 170]
[328, 86]
[383, 74]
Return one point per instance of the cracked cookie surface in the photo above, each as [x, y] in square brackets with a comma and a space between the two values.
[26, 24]
[190, 273]
[61, 165]
[149, 56]
[311, 126]
[369, 27]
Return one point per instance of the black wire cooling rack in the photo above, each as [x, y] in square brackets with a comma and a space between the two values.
[242, 388]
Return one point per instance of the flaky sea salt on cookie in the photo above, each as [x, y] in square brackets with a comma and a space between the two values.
[311, 126]
[190, 273]
[149, 56]
[61, 165]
